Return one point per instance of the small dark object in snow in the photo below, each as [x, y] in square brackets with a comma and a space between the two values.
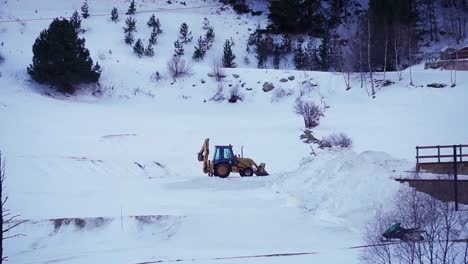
[183, 3]
[202, 81]
[235, 75]
[248, 89]
[291, 78]
[242, 85]
[193, 85]
[283, 80]
[230, 85]
[436, 85]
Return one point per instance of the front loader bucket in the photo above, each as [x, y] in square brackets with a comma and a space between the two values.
[261, 170]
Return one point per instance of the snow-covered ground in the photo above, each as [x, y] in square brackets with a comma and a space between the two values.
[121, 169]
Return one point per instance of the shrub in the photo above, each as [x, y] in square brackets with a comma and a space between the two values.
[336, 140]
[2, 58]
[280, 93]
[235, 95]
[217, 72]
[60, 58]
[177, 67]
[219, 95]
[309, 111]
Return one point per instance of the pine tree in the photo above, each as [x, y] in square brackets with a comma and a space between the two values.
[149, 51]
[152, 21]
[131, 8]
[209, 37]
[228, 55]
[299, 55]
[139, 49]
[85, 9]
[60, 58]
[178, 48]
[129, 37]
[75, 20]
[261, 52]
[324, 52]
[114, 14]
[185, 34]
[309, 55]
[286, 45]
[206, 23]
[153, 37]
[276, 57]
[157, 25]
[130, 23]
[200, 50]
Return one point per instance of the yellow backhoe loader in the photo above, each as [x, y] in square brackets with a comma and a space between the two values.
[224, 162]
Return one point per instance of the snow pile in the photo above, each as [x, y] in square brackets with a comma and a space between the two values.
[342, 185]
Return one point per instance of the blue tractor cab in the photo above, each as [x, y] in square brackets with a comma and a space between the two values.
[224, 154]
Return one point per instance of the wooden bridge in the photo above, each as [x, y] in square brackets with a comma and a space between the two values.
[441, 172]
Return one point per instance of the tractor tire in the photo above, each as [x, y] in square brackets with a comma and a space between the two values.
[247, 172]
[222, 170]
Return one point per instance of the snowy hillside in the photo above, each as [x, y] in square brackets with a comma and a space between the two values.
[115, 179]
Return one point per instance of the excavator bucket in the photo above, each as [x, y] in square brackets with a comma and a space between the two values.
[261, 170]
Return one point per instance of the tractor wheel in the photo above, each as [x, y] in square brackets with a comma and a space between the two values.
[247, 172]
[222, 170]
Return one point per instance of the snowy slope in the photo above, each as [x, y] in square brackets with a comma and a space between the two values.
[122, 167]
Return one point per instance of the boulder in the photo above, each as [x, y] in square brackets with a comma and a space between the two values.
[291, 78]
[268, 87]
[283, 80]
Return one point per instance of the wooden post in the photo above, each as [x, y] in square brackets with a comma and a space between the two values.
[461, 153]
[417, 158]
[455, 176]
[438, 153]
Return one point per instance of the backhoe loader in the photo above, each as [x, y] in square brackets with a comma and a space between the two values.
[224, 162]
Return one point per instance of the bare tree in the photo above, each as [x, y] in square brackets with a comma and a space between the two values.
[369, 54]
[8, 220]
[378, 252]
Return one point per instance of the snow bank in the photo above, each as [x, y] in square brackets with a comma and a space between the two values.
[342, 185]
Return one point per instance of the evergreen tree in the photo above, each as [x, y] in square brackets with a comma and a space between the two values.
[286, 44]
[114, 14]
[261, 52]
[131, 8]
[178, 48]
[149, 51]
[85, 9]
[139, 49]
[209, 37]
[200, 50]
[129, 37]
[276, 57]
[185, 34]
[206, 23]
[299, 55]
[228, 55]
[153, 37]
[157, 25]
[307, 16]
[75, 20]
[152, 21]
[130, 23]
[324, 52]
[60, 58]
[310, 52]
